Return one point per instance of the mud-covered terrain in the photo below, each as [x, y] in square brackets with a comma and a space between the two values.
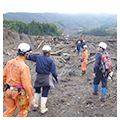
[75, 98]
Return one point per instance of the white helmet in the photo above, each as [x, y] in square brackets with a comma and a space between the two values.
[24, 48]
[103, 45]
[85, 46]
[46, 48]
[83, 40]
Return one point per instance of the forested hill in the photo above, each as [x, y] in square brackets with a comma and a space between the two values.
[68, 22]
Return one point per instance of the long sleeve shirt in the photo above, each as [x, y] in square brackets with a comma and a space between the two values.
[85, 55]
[82, 44]
[44, 64]
[98, 61]
[15, 73]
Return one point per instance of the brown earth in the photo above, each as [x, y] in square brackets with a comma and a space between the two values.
[75, 98]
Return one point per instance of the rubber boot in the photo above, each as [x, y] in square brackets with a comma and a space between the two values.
[43, 105]
[83, 73]
[104, 93]
[36, 101]
[95, 89]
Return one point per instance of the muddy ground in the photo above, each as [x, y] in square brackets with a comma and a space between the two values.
[75, 98]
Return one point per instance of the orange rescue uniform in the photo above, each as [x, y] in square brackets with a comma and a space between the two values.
[15, 73]
[85, 57]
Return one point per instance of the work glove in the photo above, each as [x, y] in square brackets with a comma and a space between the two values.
[32, 102]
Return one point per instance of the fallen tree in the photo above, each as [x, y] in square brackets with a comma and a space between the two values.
[114, 58]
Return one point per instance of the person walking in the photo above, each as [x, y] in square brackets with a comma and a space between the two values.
[84, 60]
[16, 78]
[80, 43]
[78, 47]
[44, 66]
[98, 75]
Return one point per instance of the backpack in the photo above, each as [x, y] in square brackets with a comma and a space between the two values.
[106, 64]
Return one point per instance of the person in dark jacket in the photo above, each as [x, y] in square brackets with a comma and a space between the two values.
[78, 47]
[44, 66]
[80, 43]
[98, 75]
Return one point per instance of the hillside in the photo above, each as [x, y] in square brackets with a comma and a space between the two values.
[75, 98]
[70, 23]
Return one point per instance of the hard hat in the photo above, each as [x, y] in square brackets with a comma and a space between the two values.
[85, 46]
[24, 48]
[46, 48]
[102, 45]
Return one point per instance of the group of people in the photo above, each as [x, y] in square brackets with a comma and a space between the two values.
[81, 44]
[97, 73]
[16, 76]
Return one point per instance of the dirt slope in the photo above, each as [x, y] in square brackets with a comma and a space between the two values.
[75, 98]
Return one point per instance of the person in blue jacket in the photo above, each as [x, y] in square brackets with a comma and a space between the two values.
[80, 43]
[44, 66]
[98, 75]
[78, 47]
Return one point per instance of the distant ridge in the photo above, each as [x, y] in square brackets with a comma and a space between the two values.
[71, 23]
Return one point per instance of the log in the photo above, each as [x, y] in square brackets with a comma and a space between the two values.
[54, 53]
[6, 53]
[59, 48]
[35, 53]
[91, 61]
[40, 44]
[114, 58]
[63, 59]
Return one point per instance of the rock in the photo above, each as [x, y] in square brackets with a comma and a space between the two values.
[89, 79]
[102, 105]
[66, 56]
[92, 54]
[87, 106]
[72, 73]
[62, 100]
[68, 94]
[89, 102]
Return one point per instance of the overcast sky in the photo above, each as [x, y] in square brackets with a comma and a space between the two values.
[61, 6]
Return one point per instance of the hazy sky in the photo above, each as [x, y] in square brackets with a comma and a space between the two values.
[61, 6]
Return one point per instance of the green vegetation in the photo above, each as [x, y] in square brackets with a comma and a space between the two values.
[99, 32]
[33, 28]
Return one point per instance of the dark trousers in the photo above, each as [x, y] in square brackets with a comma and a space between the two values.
[99, 77]
[45, 90]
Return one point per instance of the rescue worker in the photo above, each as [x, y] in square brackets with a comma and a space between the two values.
[16, 76]
[44, 66]
[98, 76]
[80, 43]
[78, 47]
[84, 60]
